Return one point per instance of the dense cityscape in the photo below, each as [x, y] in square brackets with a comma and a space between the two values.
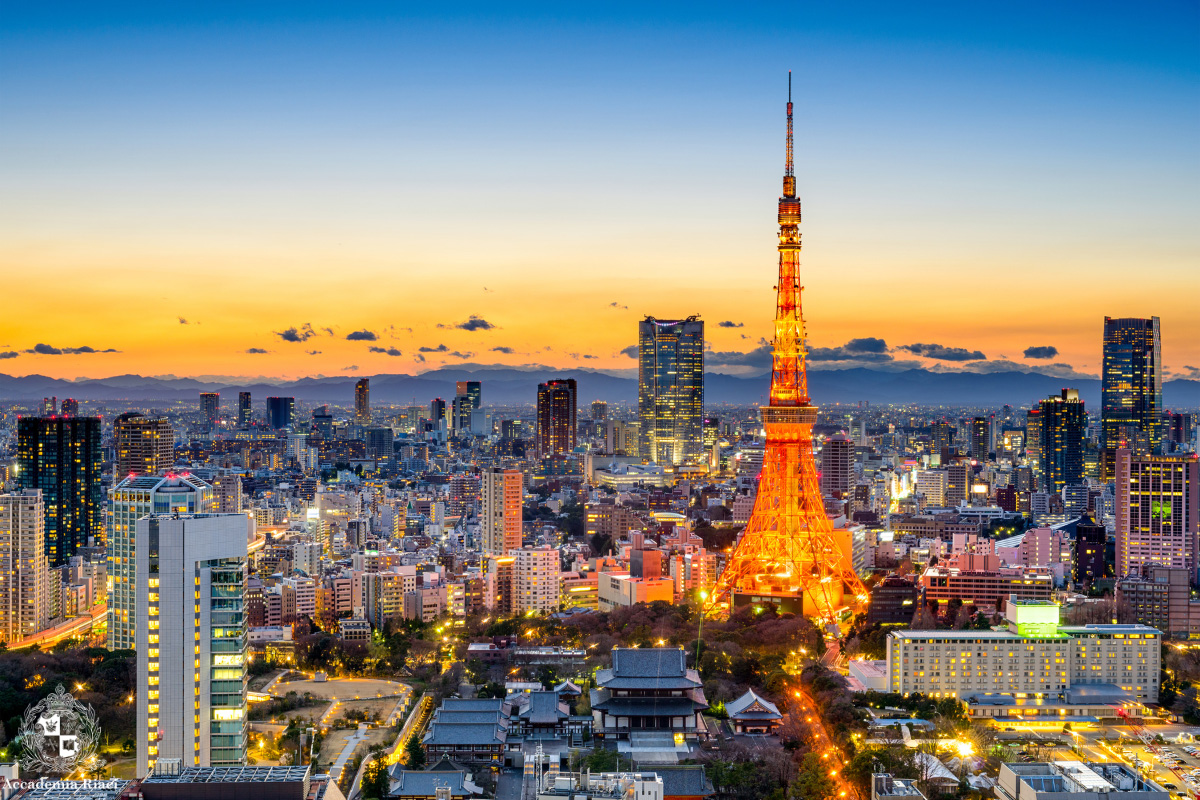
[540, 583]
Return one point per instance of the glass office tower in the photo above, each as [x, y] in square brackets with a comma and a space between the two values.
[671, 390]
[1131, 400]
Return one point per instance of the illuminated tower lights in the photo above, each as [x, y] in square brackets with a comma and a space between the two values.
[788, 554]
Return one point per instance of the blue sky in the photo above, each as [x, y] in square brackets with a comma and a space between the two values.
[986, 176]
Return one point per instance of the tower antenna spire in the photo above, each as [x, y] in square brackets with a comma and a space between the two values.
[789, 171]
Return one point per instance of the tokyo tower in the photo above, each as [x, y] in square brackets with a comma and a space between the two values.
[788, 554]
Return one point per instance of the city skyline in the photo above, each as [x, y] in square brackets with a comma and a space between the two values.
[1049, 165]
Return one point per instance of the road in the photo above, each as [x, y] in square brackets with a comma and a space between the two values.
[805, 712]
[64, 630]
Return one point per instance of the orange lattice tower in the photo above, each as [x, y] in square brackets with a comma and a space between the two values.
[788, 553]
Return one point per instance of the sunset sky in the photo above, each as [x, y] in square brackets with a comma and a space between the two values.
[368, 189]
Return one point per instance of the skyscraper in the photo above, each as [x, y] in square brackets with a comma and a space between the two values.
[599, 410]
[1131, 390]
[437, 410]
[191, 640]
[69, 407]
[981, 438]
[210, 408]
[788, 554]
[556, 417]
[362, 401]
[1033, 446]
[500, 494]
[144, 445]
[1157, 511]
[245, 409]
[280, 411]
[941, 437]
[61, 456]
[671, 390]
[24, 570]
[131, 499]
[472, 390]
[1063, 433]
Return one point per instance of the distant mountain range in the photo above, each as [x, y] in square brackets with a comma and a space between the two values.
[509, 386]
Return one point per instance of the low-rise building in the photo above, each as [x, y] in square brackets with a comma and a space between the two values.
[648, 689]
[751, 713]
[1073, 780]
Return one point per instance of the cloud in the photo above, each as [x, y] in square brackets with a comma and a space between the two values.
[617, 305]
[1041, 352]
[1187, 372]
[183, 321]
[941, 352]
[508, 351]
[362, 336]
[578, 356]
[255, 350]
[328, 331]
[419, 357]
[457, 354]
[301, 334]
[1057, 370]
[867, 349]
[387, 351]
[351, 368]
[441, 348]
[313, 352]
[630, 352]
[758, 357]
[730, 324]
[589, 355]
[473, 323]
[46, 350]
[9, 354]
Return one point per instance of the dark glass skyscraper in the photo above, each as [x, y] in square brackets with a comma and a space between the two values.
[1064, 430]
[671, 390]
[245, 409]
[61, 456]
[1131, 400]
[280, 411]
[556, 417]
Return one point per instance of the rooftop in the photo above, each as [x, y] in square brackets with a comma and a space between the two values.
[230, 775]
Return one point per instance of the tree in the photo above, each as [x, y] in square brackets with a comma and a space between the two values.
[813, 780]
[375, 782]
[416, 753]
[492, 690]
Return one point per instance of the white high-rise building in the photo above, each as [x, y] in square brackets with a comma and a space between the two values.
[191, 639]
[24, 568]
[535, 580]
[129, 501]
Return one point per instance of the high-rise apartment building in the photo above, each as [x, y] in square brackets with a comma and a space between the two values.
[69, 407]
[281, 411]
[671, 390]
[958, 479]
[500, 495]
[61, 456]
[931, 484]
[535, 580]
[191, 640]
[245, 409]
[362, 401]
[1063, 435]
[210, 408]
[144, 445]
[1131, 389]
[460, 414]
[556, 427]
[131, 499]
[1157, 507]
[227, 493]
[24, 570]
[1033, 445]
[599, 411]
[837, 466]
